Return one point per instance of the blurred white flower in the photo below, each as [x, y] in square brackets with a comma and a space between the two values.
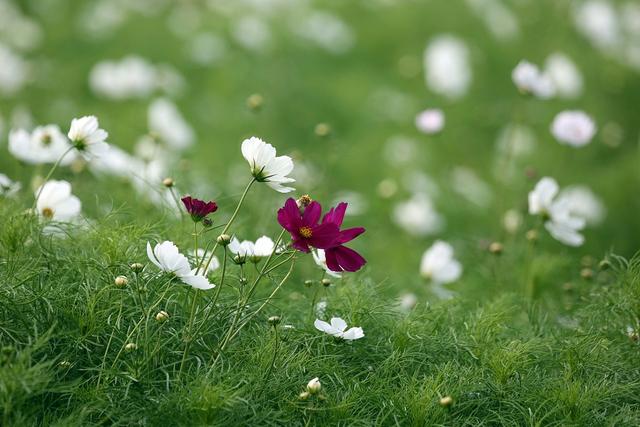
[206, 48]
[46, 144]
[265, 166]
[166, 121]
[14, 71]
[202, 256]
[430, 121]
[439, 265]
[469, 185]
[583, 203]
[417, 216]
[263, 247]
[558, 218]
[116, 162]
[597, 20]
[408, 301]
[56, 203]
[131, 77]
[573, 128]
[447, 69]
[512, 220]
[338, 328]
[326, 30]
[564, 74]
[399, 150]
[530, 80]
[88, 138]
[168, 258]
[497, 18]
[8, 188]
[252, 33]
[321, 261]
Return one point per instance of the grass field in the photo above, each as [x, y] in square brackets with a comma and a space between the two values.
[526, 329]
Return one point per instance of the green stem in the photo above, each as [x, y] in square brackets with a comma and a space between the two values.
[233, 217]
[189, 337]
[195, 249]
[51, 171]
[216, 295]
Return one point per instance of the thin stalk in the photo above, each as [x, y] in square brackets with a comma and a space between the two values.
[51, 171]
[216, 295]
[189, 337]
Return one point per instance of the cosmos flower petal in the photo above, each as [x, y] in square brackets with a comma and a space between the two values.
[338, 324]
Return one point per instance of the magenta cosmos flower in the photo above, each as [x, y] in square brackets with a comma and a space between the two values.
[198, 209]
[338, 256]
[304, 228]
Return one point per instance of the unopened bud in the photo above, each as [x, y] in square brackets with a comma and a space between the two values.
[168, 182]
[131, 346]
[137, 267]
[304, 201]
[446, 401]
[239, 259]
[274, 320]
[314, 386]
[255, 102]
[586, 273]
[64, 364]
[326, 283]
[604, 265]
[304, 395]
[207, 223]
[308, 283]
[224, 239]
[322, 130]
[162, 316]
[496, 248]
[532, 235]
[243, 281]
[121, 281]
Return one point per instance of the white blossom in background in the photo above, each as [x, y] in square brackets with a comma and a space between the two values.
[338, 328]
[168, 258]
[430, 121]
[559, 221]
[529, 79]
[263, 247]
[417, 216]
[583, 203]
[266, 166]
[408, 301]
[166, 121]
[8, 188]
[14, 71]
[321, 261]
[87, 136]
[321, 307]
[357, 202]
[516, 141]
[447, 68]
[56, 203]
[573, 128]
[325, 30]
[206, 49]
[512, 220]
[400, 150]
[468, 184]
[46, 144]
[116, 162]
[598, 21]
[439, 265]
[416, 181]
[564, 74]
[252, 33]
[203, 257]
[497, 17]
[130, 77]
[17, 29]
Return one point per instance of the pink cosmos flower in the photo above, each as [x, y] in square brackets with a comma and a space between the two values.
[339, 257]
[198, 209]
[304, 228]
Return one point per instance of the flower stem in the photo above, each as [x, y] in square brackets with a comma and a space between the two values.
[189, 337]
[233, 217]
[51, 171]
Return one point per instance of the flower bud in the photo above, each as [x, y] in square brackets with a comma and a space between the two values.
[496, 248]
[162, 316]
[64, 364]
[326, 283]
[322, 130]
[239, 259]
[243, 281]
[314, 386]
[273, 320]
[446, 401]
[586, 273]
[223, 239]
[168, 182]
[207, 223]
[255, 102]
[308, 283]
[137, 267]
[532, 236]
[604, 265]
[304, 201]
[304, 395]
[121, 281]
[131, 346]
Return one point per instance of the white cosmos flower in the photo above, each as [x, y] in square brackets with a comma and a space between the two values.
[14, 72]
[46, 144]
[265, 166]
[559, 220]
[8, 188]
[430, 121]
[583, 203]
[168, 258]
[446, 63]
[529, 79]
[242, 249]
[321, 261]
[86, 135]
[165, 120]
[439, 265]
[565, 75]
[203, 257]
[338, 328]
[56, 203]
[263, 247]
[116, 162]
[130, 77]
[573, 128]
[417, 216]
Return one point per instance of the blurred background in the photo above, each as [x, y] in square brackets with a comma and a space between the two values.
[338, 85]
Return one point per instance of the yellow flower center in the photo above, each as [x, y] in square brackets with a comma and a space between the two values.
[47, 213]
[306, 232]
